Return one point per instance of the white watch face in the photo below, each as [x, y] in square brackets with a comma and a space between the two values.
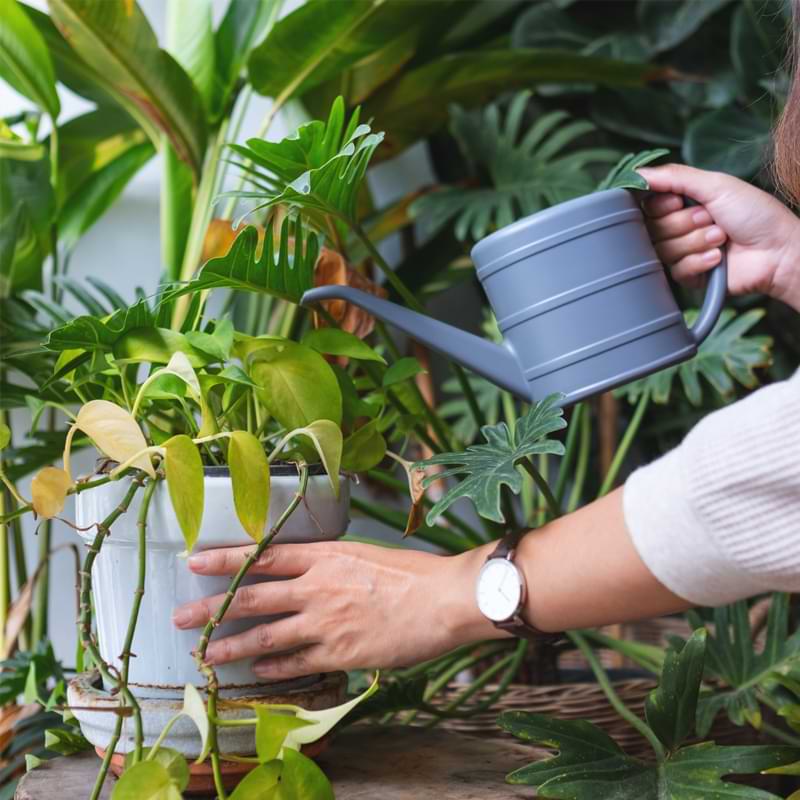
[499, 589]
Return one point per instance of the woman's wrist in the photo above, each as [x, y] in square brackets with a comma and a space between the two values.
[786, 280]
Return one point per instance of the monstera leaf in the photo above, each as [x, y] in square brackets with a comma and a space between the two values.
[529, 169]
[590, 765]
[487, 467]
[319, 168]
[725, 357]
[731, 658]
[286, 272]
[623, 174]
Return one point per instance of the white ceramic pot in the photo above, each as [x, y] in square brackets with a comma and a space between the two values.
[163, 661]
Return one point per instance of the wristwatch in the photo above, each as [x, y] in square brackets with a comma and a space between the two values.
[501, 592]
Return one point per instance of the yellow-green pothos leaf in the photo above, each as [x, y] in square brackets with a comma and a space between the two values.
[184, 471]
[327, 440]
[147, 780]
[170, 759]
[302, 779]
[271, 731]
[114, 432]
[336, 342]
[363, 449]
[250, 480]
[260, 783]
[49, 489]
[195, 709]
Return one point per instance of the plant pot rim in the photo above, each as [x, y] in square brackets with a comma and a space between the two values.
[279, 469]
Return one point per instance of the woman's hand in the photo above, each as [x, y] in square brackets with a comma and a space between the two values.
[352, 605]
[763, 235]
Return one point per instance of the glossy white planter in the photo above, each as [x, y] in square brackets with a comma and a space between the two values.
[163, 661]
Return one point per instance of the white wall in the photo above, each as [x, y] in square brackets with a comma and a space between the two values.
[123, 249]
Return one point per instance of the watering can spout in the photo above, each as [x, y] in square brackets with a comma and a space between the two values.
[494, 362]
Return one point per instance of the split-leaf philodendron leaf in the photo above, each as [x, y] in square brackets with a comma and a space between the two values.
[623, 174]
[487, 467]
[590, 765]
[250, 480]
[184, 472]
[725, 357]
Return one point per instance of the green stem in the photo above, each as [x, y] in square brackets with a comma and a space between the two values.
[85, 623]
[161, 736]
[570, 450]
[780, 735]
[613, 698]
[582, 467]
[212, 684]
[625, 444]
[544, 472]
[134, 615]
[541, 483]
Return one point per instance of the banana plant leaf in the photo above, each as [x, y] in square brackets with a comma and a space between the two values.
[725, 358]
[488, 467]
[590, 765]
[116, 40]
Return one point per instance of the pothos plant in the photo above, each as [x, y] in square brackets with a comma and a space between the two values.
[221, 398]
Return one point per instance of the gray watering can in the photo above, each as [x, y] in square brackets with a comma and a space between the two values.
[580, 296]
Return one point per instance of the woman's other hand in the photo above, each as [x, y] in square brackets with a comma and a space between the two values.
[762, 235]
[351, 605]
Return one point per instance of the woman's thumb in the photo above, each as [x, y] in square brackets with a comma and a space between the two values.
[698, 184]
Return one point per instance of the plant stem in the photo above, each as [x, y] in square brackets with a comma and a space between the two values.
[541, 483]
[544, 473]
[625, 444]
[780, 735]
[85, 622]
[212, 684]
[613, 698]
[570, 451]
[582, 466]
[134, 616]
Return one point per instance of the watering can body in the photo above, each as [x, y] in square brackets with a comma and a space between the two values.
[581, 299]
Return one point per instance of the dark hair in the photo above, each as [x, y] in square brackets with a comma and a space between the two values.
[786, 165]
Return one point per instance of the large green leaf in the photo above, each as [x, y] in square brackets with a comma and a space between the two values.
[174, 763]
[727, 355]
[487, 467]
[147, 780]
[530, 168]
[260, 783]
[271, 731]
[283, 269]
[415, 104]
[298, 386]
[302, 779]
[184, 471]
[190, 41]
[731, 657]
[319, 168]
[250, 482]
[728, 139]
[671, 708]
[24, 59]
[115, 38]
[591, 766]
[243, 26]
[668, 24]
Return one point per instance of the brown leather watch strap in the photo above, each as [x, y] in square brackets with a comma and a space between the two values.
[516, 625]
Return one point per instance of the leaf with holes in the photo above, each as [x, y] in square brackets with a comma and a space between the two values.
[250, 481]
[488, 467]
[529, 168]
[184, 471]
[725, 358]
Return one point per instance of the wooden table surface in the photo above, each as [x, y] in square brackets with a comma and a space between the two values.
[393, 763]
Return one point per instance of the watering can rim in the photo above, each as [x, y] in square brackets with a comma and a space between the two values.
[483, 250]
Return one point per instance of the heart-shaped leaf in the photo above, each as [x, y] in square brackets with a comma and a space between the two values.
[195, 709]
[114, 432]
[174, 763]
[487, 467]
[250, 479]
[184, 471]
[147, 780]
[402, 370]
[271, 731]
[363, 449]
[49, 489]
[302, 779]
[260, 783]
[327, 440]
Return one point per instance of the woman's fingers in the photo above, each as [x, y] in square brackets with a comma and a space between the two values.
[270, 637]
[660, 205]
[255, 600]
[284, 560]
[282, 667]
[688, 269]
[678, 223]
[670, 251]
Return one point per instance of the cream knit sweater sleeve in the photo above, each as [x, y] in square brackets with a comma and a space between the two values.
[718, 518]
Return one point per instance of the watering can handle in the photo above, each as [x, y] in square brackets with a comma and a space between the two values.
[714, 301]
